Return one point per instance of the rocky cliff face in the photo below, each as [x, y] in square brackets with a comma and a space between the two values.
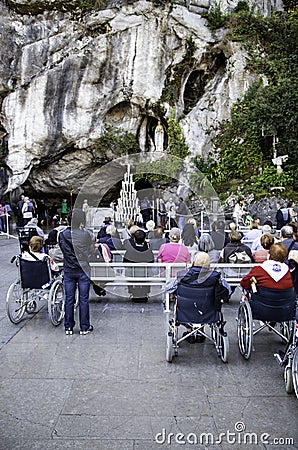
[67, 75]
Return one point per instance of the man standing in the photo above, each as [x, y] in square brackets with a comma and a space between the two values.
[77, 245]
[146, 210]
[27, 210]
[181, 213]
[170, 204]
[19, 207]
[64, 209]
[162, 213]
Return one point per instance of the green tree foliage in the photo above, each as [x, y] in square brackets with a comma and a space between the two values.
[215, 17]
[244, 152]
[117, 142]
[177, 144]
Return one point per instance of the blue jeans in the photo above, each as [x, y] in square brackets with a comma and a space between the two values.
[72, 280]
[3, 224]
[181, 221]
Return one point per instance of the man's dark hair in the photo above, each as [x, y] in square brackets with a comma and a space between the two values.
[76, 217]
[139, 237]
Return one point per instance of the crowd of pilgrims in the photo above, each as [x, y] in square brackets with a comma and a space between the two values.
[169, 235]
[173, 235]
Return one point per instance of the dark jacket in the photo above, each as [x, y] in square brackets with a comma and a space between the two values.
[156, 243]
[77, 248]
[280, 221]
[231, 247]
[220, 239]
[138, 253]
[290, 244]
[182, 209]
[206, 279]
[113, 242]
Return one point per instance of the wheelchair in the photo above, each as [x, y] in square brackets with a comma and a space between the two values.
[194, 308]
[35, 283]
[273, 308]
[289, 360]
[24, 235]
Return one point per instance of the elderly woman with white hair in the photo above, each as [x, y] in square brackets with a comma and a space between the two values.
[150, 226]
[206, 244]
[111, 239]
[200, 274]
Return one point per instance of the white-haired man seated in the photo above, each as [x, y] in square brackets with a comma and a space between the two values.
[256, 244]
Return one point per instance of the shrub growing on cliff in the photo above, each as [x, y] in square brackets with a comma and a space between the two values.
[215, 17]
[117, 142]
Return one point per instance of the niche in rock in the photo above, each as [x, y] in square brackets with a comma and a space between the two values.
[152, 123]
[121, 116]
[195, 86]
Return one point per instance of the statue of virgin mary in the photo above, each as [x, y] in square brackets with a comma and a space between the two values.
[159, 137]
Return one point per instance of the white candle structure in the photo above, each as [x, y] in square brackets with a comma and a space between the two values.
[128, 203]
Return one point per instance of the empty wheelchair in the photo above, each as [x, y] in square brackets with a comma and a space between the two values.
[194, 308]
[275, 309]
[33, 284]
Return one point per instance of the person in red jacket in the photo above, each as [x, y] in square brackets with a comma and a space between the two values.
[272, 273]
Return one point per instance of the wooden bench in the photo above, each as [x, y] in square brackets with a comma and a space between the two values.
[118, 273]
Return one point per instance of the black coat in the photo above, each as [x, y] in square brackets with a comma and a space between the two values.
[77, 247]
[206, 278]
[138, 253]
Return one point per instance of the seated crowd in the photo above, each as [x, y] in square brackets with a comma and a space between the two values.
[183, 246]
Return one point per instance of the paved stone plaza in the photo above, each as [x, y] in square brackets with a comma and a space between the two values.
[113, 389]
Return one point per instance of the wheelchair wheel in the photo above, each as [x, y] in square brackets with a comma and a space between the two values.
[295, 371]
[169, 349]
[221, 341]
[15, 303]
[245, 329]
[285, 329]
[223, 346]
[56, 302]
[31, 306]
[288, 378]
